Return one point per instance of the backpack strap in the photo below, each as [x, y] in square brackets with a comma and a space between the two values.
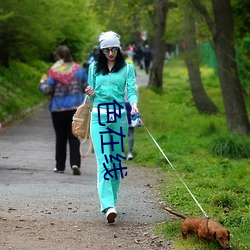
[90, 149]
[84, 140]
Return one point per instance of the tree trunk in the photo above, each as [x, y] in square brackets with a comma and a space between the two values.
[235, 109]
[159, 47]
[223, 38]
[201, 99]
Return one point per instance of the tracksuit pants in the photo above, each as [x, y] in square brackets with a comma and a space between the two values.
[109, 139]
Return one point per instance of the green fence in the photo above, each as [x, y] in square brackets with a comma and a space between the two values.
[208, 58]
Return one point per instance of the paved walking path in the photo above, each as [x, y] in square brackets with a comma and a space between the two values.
[141, 78]
[30, 190]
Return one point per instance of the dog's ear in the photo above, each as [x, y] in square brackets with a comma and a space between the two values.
[214, 235]
[228, 237]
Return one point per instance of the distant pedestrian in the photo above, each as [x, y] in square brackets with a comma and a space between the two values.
[147, 54]
[65, 84]
[138, 56]
[93, 55]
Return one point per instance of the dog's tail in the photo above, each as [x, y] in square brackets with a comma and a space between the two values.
[175, 213]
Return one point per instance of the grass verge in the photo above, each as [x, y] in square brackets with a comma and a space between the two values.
[214, 164]
[19, 89]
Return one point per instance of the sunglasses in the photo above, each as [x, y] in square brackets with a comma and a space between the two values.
[106, 51]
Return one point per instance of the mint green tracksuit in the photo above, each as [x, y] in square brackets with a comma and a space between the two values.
[109, 144]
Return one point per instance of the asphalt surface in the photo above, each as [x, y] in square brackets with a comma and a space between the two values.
[26, 164]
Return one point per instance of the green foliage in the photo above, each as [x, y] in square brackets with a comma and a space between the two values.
[219, 183]
[175, 28]
[224, 200]
[241, 17]
[29, 33]
[231, 146]
[19, 87]
[128, 18]
[175, 25]
[170, 230]
[243, 59]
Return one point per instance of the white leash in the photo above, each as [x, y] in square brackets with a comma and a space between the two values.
[174, 169]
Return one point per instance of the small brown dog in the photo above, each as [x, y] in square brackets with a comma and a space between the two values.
[204, 229]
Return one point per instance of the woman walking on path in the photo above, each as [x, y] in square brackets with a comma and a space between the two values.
[65, 83]
[108, 78]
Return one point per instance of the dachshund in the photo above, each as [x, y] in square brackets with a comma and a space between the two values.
[204, 229]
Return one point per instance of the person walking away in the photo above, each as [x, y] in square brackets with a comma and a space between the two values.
[139, 56]
[147, 54]
[108, 78]
[66, 83]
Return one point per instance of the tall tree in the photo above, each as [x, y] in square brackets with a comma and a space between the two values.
[159, 44]
[223, 38]
[201, 99]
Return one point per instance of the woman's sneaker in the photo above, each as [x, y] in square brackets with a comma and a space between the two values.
[76, 170]
[111, 215]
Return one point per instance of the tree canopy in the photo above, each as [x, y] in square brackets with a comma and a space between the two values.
[27, 32]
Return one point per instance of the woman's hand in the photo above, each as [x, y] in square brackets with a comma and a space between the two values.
[134, 109]
[90, 91]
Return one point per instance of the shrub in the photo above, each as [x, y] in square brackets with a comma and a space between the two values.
[223, 200]
[231, 146]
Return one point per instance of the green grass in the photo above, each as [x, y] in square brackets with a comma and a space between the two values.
[19, 88]
[214, 164]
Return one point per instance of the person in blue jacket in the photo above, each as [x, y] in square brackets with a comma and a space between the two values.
[65, 83]
[108, 78]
